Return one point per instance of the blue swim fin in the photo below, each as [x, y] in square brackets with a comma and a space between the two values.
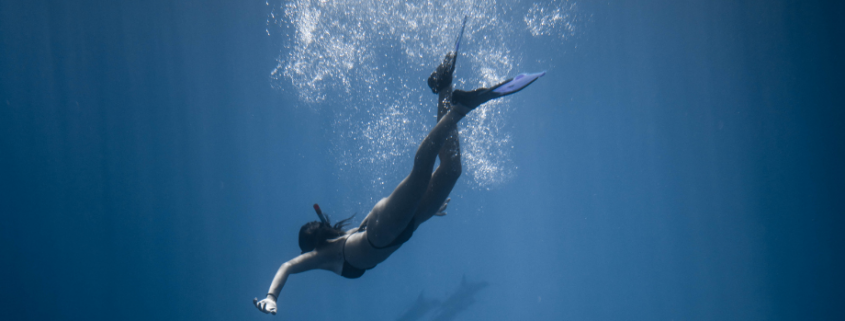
[479, 96]
[519, 82]
[461, 35]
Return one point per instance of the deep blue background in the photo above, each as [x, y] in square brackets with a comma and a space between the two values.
[683, 162]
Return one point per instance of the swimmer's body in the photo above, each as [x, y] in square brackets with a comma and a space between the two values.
[418, 197]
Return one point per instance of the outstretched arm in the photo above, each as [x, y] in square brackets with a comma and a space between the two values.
[302, 263]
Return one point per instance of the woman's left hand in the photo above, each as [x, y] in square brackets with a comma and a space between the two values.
[442, 210]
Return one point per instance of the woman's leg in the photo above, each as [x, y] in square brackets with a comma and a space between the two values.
[447, 174]
[391, 215]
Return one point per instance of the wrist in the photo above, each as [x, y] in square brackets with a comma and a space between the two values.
[272, 296]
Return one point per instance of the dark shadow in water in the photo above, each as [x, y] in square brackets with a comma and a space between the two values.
[419, 309]
[447, 310]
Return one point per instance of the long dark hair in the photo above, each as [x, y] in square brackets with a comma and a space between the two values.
[317, 233]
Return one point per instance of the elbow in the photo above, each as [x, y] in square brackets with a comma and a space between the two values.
[285, 267]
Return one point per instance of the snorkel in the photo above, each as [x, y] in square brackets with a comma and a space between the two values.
[323, 219]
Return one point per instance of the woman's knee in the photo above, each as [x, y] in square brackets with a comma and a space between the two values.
[422, 166]
[452, 167]
[450, 160]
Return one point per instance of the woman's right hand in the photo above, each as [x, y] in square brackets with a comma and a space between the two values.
[267, 305]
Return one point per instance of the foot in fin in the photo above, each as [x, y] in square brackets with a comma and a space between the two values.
[441, 78]
[475, 98]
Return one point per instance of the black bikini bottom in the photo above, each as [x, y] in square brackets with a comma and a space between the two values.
[400, 239]
[351, 272]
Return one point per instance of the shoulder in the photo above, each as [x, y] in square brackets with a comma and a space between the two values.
[333, 249]
[325, 257]
[331, 254]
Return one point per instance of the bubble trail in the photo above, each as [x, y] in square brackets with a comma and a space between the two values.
[368, 60]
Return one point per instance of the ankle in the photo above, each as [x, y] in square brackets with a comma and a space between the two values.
[460, 109]
[470, 99]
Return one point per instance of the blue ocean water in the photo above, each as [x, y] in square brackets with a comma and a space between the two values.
[679, 161]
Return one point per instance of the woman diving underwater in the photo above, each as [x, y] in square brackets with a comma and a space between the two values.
[418, 197]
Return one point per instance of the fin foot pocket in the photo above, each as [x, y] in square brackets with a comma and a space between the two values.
[441, 78]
